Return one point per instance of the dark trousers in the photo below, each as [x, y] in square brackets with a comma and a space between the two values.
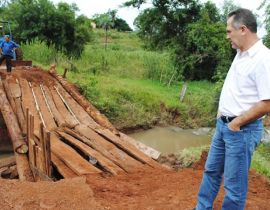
[8, 61]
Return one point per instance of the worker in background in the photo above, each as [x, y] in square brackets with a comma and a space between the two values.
[7, 49]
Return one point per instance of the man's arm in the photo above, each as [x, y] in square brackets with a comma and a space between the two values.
[258, 110]
[15, 45]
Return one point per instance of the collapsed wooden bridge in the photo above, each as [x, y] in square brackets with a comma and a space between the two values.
[55, 130]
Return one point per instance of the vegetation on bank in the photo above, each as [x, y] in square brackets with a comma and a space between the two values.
[261, 159]
[129, 84]
[130, 94]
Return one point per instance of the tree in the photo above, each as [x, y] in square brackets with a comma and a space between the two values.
[227, 7]
[266, 5]
[166, 21]
[134, 3]
[192, 31]
[105, 20]
[55, 25]
[209, 51]
[110, 20]
[121, 25]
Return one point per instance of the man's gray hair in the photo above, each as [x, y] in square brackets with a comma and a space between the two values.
[245, 17]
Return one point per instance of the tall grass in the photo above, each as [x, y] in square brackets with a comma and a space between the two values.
[261, 159]
[124, 57]
[130, 84]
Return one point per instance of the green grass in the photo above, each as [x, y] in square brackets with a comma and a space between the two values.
[261, 159]
[133, 102]
[129, 84]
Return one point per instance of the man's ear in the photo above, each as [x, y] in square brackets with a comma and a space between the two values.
[243, 29]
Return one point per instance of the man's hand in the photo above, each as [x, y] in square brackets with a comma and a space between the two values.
[234, 125]
[257, 111]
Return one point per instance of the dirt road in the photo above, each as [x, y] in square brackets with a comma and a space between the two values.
[152, 189]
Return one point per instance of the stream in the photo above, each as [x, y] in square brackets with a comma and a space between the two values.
[173, 139]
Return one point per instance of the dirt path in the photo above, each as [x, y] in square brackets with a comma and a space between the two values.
[151, 189]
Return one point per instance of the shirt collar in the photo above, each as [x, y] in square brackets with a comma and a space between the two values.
[255, 48]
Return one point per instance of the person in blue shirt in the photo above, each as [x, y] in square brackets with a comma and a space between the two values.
[7, 48]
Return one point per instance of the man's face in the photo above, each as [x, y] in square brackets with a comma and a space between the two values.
[234, 35]
[7, 39]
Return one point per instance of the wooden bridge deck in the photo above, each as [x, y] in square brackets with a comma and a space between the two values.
[63, 131]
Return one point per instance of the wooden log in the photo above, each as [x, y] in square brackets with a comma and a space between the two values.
[20, 115]
[80, 113]
[62, 168]
[47, 151]
[31, 142]
[69, 119]
[47, 117]
[9, 95]
[3, 169]
[23, 167]
[59, 119]
[28, 103]
[105, 151]
[10, 172]
[109, 150]
[151, 152]
[18, 142]
[16, 94]
[7, 161]
[71, 158]
[87, 106]
[88, 151]
[128, 148]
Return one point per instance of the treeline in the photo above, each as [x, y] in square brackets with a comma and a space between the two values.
[194, 32]
[56, 25]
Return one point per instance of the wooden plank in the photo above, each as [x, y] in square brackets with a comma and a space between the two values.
[62, 168]
[14, 88]
[71, 158]
[28, 102]
[23, 167]
[128, 148]
[31, 154]
[38, 163]
[31, 143]
[20, 115]
[109, 150]
[43, 167]
[102, 161]
[151, 152]
[97, 146]
[47, 144]
[7, 161]
[80, 113]
[87, 106]
[57, 116]
[47, 117]
[69, 119]
[16, 94]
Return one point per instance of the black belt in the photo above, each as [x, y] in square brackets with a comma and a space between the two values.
[226, 119]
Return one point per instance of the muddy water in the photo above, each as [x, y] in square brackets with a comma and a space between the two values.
[173, 139]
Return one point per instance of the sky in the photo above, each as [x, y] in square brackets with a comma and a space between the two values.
[91, 7]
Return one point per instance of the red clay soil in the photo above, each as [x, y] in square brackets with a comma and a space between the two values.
[152, 189]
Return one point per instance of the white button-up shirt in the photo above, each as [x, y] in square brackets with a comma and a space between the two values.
[247, 82]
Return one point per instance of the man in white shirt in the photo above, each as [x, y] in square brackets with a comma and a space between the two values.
[244, 100]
